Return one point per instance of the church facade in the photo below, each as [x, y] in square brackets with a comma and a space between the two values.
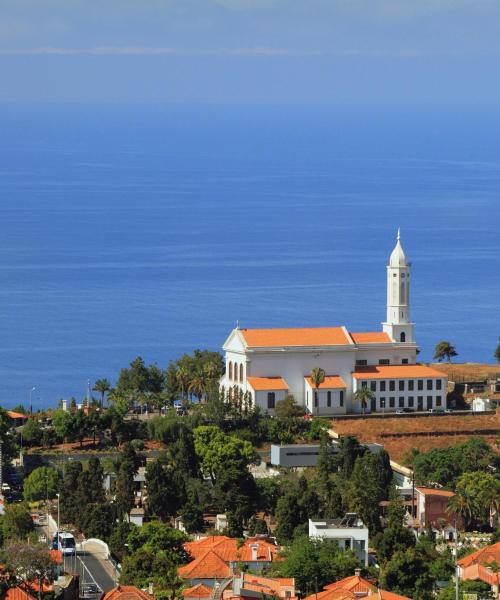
[264, 365]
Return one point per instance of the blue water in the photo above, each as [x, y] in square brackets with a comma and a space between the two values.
[149, 231]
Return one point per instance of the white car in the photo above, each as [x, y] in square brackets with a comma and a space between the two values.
[64, 542]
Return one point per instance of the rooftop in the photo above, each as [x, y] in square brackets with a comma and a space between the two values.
[267, 383]
[396, 372]
[318, 336]
[330, 382]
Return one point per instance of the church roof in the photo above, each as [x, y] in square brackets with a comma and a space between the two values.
[370, 337]
[316, 336]
[398, 256]
[395, 372]
[330, 382]
[267, 383]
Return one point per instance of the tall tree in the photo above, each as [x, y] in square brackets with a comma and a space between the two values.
[317, 377]
[444, 351]
[124, 490]
[497, 351]
[103, 387]
[363, 396]
[42, 483]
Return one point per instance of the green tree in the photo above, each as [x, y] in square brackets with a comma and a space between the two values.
[95, 481]
[41, 483]
[315, 563]
[80, 425]
[395, 537]
[463, 505]
[165, 494]
[218, 451]
[288, 408]
[32, 432]
[317, 377]
[63, 424]
[118, 540]
[408, 573]
[97, 521]
[363, 396]
[124, 489]
[444, 351]
[102, 386]
[17, 524]
[497, 351]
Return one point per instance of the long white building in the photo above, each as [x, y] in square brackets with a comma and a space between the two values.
[265, 365]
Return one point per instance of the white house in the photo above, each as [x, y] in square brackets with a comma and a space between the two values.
[264, 365]
[350, 533]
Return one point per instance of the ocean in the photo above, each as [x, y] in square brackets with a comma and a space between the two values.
[150, 230]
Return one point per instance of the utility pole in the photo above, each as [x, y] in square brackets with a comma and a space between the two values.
[31, 399]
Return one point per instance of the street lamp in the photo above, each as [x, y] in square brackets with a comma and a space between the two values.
[31, 396]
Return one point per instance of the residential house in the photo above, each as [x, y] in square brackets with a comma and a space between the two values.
[254, 587]
[350, 533]
[431, 505]
[215, 558]
[483, 565]
[353, 588]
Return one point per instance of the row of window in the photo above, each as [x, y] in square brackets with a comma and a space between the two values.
[411, 402]
[381, 361]
[235, 372]
[403, 384]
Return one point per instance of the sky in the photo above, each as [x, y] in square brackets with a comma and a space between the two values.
[336, 52]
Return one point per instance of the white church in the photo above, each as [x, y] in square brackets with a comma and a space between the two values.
[267, 364]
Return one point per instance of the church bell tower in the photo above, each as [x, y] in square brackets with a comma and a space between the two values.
[398, 325]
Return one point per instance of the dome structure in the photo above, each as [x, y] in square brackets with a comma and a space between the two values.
[398, 256]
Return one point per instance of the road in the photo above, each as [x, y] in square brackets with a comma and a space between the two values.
[93, 570]
[91, 567]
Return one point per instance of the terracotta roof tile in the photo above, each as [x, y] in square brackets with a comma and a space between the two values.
[318, 336]
[267, 383]
[17, 593]
[199, 590]
[330, 382]
[370, 337]
[396, 372]
[435, 492]
[482, 556]
[127, 592]
[207, 566]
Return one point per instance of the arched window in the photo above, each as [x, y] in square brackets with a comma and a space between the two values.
[230, 370]
[236, 371]
[241, 373]
[402, 337]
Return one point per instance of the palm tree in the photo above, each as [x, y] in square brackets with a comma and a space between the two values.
[184, 379]
[102, 386]
[463, 505]
[212, 371]
[364, 396]
[198, 385]
[317, 377]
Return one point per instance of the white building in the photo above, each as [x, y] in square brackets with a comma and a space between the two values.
[350, 533]
[264, 365]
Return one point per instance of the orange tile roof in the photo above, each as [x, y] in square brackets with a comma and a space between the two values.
[16, 415]
[370, 337]
[228, 549]
[483, 556]
[126, 592]
[267, 383]
[385, 595]
[434, 492]
[207, 566]
[354, 587]
[269, 586]
[396, 372]
[330, 382]
[354, 583]
[200, 590]
[318, 336]
[16, 593]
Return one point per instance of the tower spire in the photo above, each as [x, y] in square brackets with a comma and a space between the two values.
[399, 234]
